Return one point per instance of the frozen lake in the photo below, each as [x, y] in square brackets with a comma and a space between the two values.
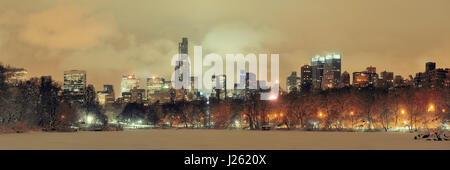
[183, 139]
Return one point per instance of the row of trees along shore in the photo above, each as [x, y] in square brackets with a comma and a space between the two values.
[38, 103]
[335, 109]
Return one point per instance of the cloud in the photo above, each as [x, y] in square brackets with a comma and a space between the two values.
[66, 27]
[240, 38]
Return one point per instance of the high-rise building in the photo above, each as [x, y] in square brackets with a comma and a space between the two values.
[219, 86]
[371, 69]
[75, 85]
[366, 78]
[436, 77]
[193, 93]
[106, 97]
[306, 77]
[137, 95]
[91, 96]
[154, 84]
[128, 83]
[398, 81]
[326, 71]
[317, 65]
[182, 50]
[292, 82]
[432, 77]
[238, 91]
[158, 89]
[386, 79]
[332, 71]
[15, 75]
[430, 66]
[180, 94]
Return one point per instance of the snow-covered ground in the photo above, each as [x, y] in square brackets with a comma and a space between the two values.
[173, 139]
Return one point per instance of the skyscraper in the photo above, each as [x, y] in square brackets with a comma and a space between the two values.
[332, 71]
[366, 78]
[317, 65]
[326, 71]
[292, 82]
[432, 77]
[180, 94]
[219, 86]
[182, 50]
[306, 77]
[398, 81]
[430, 66]
[158, 89]
[154, 84]
[106, 97]
[128, 83]
[192, 93]
[345, 79]
[75, 85]
[386, 79]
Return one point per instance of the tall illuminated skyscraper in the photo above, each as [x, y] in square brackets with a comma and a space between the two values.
[75, 84]
[326, 71]
[305, 77]
[182, 50]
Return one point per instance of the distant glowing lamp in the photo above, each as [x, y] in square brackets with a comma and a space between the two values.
[273, 97]
[402, 111]
[90, 119]
[431, 108]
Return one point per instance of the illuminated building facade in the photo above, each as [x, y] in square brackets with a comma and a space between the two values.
[292, 83]
[106, 97]
[326, 71]
[306, 77]
[432, 77]
[128, 83]
[386, 79]
[75, 85]
[219, 87]
[154, 84]
[15, 75]
[366, 78]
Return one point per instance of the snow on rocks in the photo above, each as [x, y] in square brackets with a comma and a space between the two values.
[435, 135]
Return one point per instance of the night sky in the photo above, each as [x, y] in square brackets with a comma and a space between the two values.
[108, 38]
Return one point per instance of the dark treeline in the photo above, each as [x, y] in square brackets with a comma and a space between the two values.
[335, 109]
[38, 103]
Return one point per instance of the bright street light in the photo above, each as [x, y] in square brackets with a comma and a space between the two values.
[431, 108]
[320, 114]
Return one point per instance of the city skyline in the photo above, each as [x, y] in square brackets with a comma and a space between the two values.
[107, 41]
